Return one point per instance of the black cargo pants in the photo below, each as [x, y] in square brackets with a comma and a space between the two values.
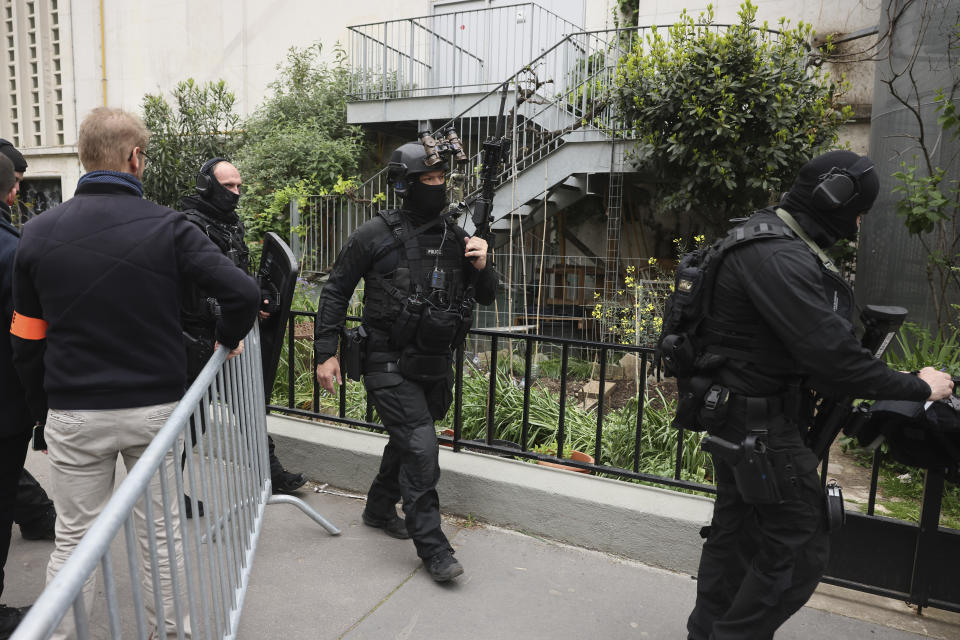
[760, 562]
[410, 466]
[13, 451]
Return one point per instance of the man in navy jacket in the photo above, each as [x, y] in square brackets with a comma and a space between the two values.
[97, 335]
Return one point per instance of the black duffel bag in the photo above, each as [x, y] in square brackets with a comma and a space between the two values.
[917, 436]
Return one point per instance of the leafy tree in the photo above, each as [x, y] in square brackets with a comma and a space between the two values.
[724, 117]
[199, 125]
[298, 140]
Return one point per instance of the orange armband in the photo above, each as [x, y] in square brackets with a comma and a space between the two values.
[28, 328]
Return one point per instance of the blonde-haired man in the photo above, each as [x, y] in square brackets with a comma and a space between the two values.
[96, 299]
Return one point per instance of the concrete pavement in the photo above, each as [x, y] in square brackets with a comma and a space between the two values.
[364, 584]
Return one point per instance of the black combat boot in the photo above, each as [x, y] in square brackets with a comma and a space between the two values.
[287, 482]
[10, 617]
[43, 528]
[443, 567]
[395, 527]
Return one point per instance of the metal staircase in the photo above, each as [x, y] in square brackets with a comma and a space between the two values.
[564, 131]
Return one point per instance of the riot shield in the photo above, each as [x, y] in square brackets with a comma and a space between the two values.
[277, 276]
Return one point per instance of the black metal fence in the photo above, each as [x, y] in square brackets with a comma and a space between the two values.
[492, 442]
[916, 563]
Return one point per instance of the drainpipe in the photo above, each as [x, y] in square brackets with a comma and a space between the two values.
[103, 56]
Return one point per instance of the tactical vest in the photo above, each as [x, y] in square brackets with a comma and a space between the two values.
[198, 312]
[428, 278]
[694, 344]
[228, 236]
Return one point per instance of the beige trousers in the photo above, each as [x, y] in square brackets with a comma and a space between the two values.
[83, 448]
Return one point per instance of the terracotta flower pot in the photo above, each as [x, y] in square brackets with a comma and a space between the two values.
[449, 434]
[578, 456]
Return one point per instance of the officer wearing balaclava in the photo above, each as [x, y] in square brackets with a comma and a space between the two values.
[422, 276]
[780, 325]
[213, 208]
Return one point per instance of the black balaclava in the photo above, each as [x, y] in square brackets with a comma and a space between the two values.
[826, 226]
[221, 199]
[425, 201]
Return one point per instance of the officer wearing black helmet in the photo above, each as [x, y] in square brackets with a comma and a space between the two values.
[213, 209]
[780, 326]
[422, 276]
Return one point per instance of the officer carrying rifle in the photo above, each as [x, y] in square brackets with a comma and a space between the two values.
[757, 322]
[423, 276]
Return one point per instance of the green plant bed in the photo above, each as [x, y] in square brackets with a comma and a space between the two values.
[901, 493]
[900, 488]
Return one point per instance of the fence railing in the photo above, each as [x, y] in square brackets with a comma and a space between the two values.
[463, 51]
[226, 465]
[508, 369]
[522, 360]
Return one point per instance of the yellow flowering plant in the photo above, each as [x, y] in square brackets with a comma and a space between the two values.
[635, 314]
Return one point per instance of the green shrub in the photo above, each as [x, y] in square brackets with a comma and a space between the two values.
[724, 117]
[919, 348]
[298, 140]
[200, 125]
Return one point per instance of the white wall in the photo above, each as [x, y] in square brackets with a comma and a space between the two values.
[153, 44]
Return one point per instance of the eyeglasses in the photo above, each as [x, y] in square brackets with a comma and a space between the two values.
[141, 152]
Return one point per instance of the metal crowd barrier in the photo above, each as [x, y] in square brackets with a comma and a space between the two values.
[227, 467]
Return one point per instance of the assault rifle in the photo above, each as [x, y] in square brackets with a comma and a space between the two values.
[496, 150]
[880, 325]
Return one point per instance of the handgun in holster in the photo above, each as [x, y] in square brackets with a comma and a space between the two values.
[752, 470]
[353, 347]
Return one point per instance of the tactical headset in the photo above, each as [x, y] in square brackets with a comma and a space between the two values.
[839, 187]
[204, 179]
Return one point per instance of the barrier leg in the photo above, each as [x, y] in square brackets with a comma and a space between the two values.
[307, 509]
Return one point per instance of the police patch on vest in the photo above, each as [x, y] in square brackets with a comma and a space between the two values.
[434, 252]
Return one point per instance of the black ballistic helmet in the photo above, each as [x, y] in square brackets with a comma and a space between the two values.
[406, 165]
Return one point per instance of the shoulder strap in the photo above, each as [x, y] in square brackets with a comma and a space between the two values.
[198, 218]
[395, 223]
[743, 234]
[814, 247]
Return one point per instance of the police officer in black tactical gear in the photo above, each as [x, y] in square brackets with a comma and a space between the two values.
[779, 327]
[34, 510]
[423, 275]
[213, 209]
